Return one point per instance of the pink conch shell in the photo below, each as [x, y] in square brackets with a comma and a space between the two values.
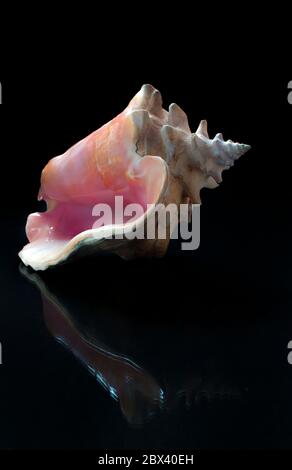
[176, 165]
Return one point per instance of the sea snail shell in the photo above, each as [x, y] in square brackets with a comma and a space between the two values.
[146, 155]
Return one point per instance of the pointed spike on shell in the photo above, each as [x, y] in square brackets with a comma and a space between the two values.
[219, 136]
[142, 98]
[217, 155]
[155, 104]
[236, 150]
[178, 118]
[169, 136]
[147, 89]
[203, 129]
[244, 148]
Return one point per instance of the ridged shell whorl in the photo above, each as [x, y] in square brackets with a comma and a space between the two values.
[193, 157]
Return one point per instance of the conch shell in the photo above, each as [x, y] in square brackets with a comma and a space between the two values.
[146, 155]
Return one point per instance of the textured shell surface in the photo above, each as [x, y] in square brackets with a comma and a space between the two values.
[148, 156]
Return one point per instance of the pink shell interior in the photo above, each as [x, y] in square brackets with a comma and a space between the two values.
[95, 170]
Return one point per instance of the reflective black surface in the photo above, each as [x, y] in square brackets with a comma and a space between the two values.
[188, 351]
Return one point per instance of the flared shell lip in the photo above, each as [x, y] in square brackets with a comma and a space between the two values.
[95, 236]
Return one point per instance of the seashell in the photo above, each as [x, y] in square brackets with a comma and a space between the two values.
[145, 155]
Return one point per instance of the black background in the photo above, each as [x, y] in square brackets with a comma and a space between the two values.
[215, 322]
